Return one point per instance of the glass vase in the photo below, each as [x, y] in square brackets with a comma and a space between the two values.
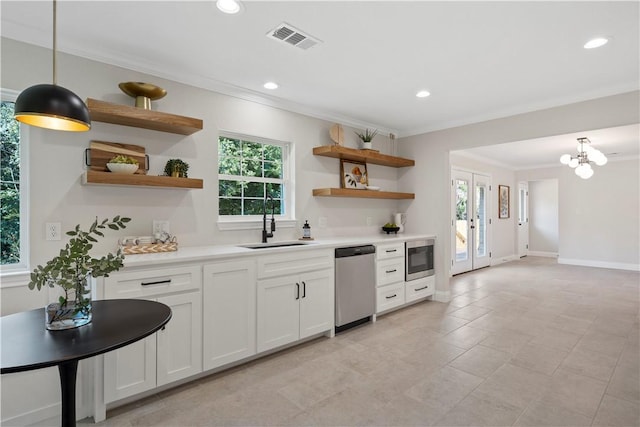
[73, 308]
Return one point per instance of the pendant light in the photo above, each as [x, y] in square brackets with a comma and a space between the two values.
[51, 106]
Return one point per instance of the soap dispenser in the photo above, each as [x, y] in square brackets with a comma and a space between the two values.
[306, 230]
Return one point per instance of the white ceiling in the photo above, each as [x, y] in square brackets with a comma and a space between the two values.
[479, 60]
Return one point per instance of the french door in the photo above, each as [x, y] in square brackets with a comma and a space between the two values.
[471, 218]
[523, 219]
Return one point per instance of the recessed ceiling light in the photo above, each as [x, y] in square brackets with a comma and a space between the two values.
[422, 94]
[271, 85]
[597, 42]
[229, 6]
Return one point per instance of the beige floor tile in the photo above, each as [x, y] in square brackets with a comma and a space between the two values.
[446, 324]
[575, 392]
[571, 324]
[405, 411]
[479, 410]
[539, 358]
[481, 361]
[625, 382]
[446, 387]
[507, 341]
[546, 412]
[611, 345]
[470, 312]
[514, 385]
[558, 339]
[611, 325]
[590, 364]
[466, 337]
[617, 412]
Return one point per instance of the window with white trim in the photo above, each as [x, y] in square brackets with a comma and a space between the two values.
[250, 169]
[13, 188]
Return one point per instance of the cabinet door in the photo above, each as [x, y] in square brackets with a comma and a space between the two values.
[180, 341]
[278, 312]
[317, 302]
[130, 370]
[229, 303]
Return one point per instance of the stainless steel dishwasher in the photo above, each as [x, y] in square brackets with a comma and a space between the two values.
[355, 286]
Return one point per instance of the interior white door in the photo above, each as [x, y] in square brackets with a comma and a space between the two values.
[471, 220]
[523, 219]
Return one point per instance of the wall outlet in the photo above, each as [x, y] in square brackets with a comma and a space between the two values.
[369, 221]
[161, 226]
[53, 231]
[322, 222]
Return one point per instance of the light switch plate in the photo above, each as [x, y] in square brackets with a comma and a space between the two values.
[53, 231]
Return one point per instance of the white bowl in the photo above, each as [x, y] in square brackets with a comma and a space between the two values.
[373, 187]
[125, 168]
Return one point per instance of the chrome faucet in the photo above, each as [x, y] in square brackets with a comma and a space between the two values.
[265, 234]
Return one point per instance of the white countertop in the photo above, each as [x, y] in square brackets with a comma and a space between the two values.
[199, 253]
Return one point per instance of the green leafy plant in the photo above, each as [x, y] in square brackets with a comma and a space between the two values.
[367, 136]
[176, 167]
[73, 265]
[124, 159]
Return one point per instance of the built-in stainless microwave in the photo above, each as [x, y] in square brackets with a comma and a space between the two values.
[419, 259]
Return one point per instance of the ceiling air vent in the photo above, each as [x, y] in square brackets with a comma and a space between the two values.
[291, 35]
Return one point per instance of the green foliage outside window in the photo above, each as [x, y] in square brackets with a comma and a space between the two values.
[9, 185]
[249, 171]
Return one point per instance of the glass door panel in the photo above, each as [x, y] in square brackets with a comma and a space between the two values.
[481, 220]
[462, 217]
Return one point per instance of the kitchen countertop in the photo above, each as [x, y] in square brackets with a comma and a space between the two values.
[200, 253]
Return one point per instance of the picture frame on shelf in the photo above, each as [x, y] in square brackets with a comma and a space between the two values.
[353, 174]
[504, 210]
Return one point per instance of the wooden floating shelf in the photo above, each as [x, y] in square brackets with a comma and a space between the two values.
[126, 115]
[109, 178]
[365, 194]
[368, 156]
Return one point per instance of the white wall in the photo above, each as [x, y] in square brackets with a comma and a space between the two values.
[599, 221]
[543, 217]
[57, 161]
[429, 179]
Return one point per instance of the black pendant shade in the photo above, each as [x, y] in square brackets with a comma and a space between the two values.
[52, 107]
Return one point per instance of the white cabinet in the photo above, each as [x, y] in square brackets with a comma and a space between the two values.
[174, 352]
[389, 276]
[294, 306]
[420, 288]
[229, 319]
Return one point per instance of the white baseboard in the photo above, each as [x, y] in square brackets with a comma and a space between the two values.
[442, 296]
[543, 254]
[503, 259]
[600, 264]
[40, 416]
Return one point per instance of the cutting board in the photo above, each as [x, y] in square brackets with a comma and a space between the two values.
[101, 152]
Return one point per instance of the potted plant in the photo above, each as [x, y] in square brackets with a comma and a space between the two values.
[71, 269]
[366, 137]
[176, 168]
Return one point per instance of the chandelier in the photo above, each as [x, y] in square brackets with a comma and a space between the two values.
[582, 162]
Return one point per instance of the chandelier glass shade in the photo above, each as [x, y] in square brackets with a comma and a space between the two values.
[581, 163]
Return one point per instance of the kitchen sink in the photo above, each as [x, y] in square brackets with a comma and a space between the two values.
[273, 245]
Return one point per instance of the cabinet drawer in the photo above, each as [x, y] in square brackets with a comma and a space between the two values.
[152, 282]
[420, 288]
[389, 271]
[390, 250]
[294, 262]
[389, 296]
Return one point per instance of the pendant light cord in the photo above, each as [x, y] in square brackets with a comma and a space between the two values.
[55, 47]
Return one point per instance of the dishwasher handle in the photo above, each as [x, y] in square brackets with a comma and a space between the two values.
[355, 251]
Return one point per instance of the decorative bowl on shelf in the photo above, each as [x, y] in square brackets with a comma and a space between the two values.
[123, 168]
[144, 93]
[391, 229]
[373, 188]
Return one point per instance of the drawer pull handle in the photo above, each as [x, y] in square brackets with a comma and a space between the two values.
[392, 271]
[297, 291]
[159, 282]
[419, 289]
[304, 290]
[391, 296]
[392, 250]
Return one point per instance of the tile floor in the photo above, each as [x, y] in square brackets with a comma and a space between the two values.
[526, 343]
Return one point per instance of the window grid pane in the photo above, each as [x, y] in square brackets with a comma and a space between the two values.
[9, 186]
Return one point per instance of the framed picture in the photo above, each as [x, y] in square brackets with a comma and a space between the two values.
[503, 201]
[353, 174]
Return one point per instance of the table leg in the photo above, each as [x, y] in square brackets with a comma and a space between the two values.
[68, 371]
